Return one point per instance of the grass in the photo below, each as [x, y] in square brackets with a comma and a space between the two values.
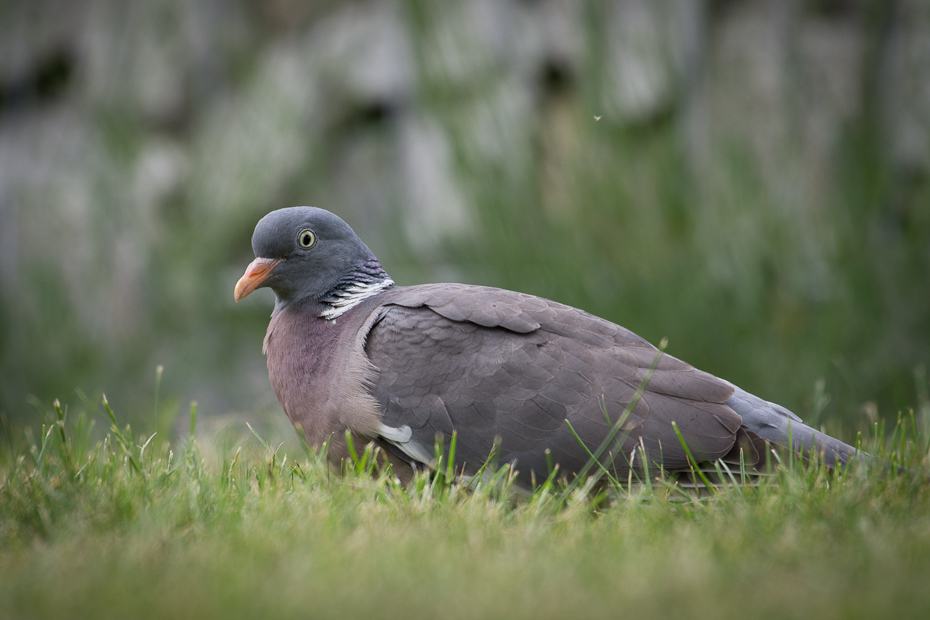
[131, 526]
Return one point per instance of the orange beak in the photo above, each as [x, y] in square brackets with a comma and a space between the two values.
[257, 272]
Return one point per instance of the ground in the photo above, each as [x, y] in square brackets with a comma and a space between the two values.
[119, 528]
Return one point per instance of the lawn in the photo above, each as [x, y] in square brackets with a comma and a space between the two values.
[128, 526]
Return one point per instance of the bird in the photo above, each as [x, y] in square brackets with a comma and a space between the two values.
[541, 386]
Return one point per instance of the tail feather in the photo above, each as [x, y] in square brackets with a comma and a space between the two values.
[777, 425]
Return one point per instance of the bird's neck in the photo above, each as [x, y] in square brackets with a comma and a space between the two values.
[367, 279]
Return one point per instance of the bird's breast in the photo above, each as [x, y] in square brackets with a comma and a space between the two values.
[320, 374]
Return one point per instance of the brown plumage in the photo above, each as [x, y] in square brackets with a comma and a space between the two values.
[402, 366]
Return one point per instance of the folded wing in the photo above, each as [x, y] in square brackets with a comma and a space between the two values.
[499, 366]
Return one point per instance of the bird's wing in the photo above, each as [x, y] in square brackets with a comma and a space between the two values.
[495, 365]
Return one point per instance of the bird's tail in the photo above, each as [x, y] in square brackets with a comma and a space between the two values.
[776, 425]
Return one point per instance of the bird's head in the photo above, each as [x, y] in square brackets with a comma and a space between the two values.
[303, 253]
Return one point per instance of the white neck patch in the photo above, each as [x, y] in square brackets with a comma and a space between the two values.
[352, 296]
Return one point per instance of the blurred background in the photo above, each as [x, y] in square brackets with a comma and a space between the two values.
[750, 179]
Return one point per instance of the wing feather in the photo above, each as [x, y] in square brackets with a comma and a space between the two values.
[500, 366]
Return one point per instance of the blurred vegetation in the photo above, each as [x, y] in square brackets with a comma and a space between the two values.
[749, 179]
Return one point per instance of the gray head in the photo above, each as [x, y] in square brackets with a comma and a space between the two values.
[307, 253]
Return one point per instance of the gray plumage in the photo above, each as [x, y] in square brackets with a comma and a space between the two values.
[401, 366]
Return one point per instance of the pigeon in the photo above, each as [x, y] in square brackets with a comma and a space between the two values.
[544, 387]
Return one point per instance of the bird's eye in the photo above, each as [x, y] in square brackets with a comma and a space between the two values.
[306, 238]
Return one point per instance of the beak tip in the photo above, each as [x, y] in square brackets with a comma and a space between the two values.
[239, 292]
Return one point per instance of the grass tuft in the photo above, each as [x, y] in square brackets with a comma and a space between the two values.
[131, 525]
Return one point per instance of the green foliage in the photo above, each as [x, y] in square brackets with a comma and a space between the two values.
[131, 525]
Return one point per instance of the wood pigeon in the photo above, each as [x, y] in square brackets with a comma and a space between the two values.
[540, 383]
